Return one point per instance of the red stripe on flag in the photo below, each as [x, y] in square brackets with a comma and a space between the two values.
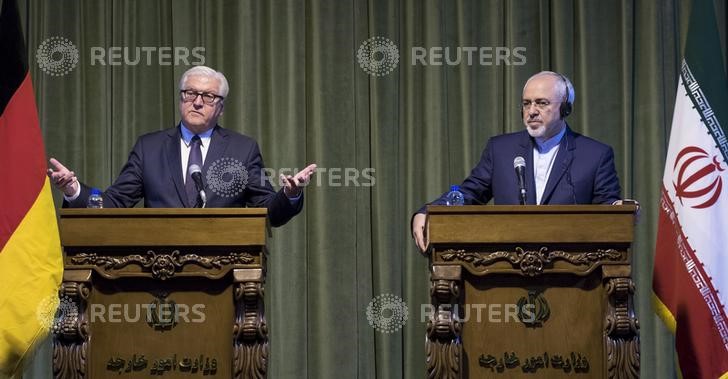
[678, 274]
[23, 159]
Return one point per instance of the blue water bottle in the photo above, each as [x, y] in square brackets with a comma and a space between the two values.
[455, 197]
[95, 200]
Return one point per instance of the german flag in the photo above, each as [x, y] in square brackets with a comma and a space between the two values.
[30, 253]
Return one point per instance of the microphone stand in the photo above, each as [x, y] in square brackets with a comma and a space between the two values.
[203, 199]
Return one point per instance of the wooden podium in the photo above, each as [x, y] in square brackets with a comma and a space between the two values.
[162, 292]
[531, 292]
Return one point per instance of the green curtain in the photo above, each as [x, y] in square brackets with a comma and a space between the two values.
[296, 87]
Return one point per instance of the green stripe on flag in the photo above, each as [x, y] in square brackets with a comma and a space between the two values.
[705, 109]
[704, 58]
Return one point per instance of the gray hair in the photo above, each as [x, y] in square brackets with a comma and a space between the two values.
[567, 89]
[208, 72]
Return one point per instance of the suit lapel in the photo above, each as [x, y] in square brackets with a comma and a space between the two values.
[562, 161]
[218, 144]
[527, 153]
[174, 162]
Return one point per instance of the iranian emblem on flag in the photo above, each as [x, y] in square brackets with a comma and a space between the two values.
[686, 187]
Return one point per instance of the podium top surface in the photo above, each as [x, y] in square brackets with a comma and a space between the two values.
[538, 209]
[143, 227]
[484, 224]
[163, 212]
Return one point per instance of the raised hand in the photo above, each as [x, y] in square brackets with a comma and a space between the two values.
[293, 184]
[63, 178]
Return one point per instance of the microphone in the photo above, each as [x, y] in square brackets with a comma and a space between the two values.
[519, 164]
[196, 174]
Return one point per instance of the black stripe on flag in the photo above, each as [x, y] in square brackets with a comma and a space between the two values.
[14, 64]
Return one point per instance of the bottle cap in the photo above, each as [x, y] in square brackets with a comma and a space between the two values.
[454, 188]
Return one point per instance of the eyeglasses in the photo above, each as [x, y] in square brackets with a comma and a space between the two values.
[541, 104]
[207, 98]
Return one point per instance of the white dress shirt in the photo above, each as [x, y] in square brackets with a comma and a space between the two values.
[544, 155]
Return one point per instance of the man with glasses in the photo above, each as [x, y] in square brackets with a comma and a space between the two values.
[162, 165]
[561, 166]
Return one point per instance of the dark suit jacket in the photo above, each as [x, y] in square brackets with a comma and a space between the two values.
[154, 173]
[583, 173]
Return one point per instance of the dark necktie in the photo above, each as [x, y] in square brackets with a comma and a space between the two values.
[195, 158]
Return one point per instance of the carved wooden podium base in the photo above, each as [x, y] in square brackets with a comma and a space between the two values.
[443, 348]
[250, 331]
[158, 304]
[552, 303]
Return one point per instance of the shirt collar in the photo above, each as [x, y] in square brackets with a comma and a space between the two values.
[544, 146]
[187, 134]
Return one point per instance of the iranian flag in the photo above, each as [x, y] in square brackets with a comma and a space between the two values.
[691, 255]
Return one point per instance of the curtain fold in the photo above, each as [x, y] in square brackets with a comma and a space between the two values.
[297, 88]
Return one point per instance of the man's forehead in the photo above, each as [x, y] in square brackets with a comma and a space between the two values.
[200, 82]
[541, 84]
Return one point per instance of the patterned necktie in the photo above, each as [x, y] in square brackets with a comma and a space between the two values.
[195, 158]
